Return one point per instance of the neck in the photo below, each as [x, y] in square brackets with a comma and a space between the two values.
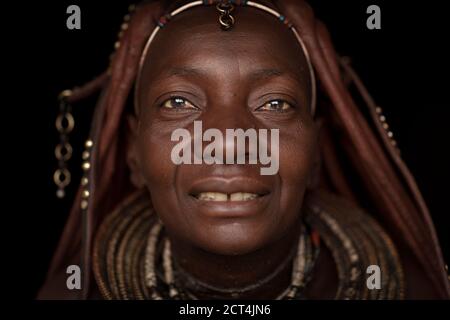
[262, 274]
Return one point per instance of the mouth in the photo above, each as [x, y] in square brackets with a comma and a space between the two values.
[228, 189]
[230, 197]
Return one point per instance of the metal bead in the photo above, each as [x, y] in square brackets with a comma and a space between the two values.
[124, 26]
[117, 45]
[85, 194]
[85, 155]
[131, 7]
[378, 110]
[84, 204]
[84, 181]
[65, 94]
[89, 143]
[173, 292]
[86, 166]
[126, 18]
[382, 118]
[385, 126]
[354, 257]
[390, 134]
[60, 193]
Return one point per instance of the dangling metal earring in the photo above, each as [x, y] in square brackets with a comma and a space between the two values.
[63, 151]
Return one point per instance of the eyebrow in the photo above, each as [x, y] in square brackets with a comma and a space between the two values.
[266, 73]
[263, 74]
[258, 74]
[185, 71]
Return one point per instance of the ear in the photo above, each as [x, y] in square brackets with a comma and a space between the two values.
[314, 177]
[137, 179]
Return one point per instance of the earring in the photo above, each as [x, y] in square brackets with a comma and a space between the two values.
[63, 151]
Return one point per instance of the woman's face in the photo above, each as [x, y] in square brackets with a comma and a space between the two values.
[254, 76]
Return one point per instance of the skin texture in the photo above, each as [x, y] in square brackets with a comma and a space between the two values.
[227, 77]
[224, 79]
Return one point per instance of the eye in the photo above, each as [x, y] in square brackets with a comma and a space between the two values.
[178, 103]
[275, 105]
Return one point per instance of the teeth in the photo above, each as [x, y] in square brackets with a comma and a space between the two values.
[242, 196]
[213, 196]
[218, 196]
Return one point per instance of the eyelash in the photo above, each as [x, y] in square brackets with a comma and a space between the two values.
[284, 103]
[174, 98]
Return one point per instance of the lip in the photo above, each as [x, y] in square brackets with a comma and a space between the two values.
[229, 185]
[230, 209]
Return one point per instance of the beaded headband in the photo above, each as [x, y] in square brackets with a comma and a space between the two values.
[226, 21]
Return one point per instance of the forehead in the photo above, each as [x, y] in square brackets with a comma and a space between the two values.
[193, 39]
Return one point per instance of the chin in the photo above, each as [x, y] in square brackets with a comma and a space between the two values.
[233, 238]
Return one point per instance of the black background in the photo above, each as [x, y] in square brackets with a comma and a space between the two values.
[404, 65]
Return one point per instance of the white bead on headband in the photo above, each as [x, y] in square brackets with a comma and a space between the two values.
[226, 21]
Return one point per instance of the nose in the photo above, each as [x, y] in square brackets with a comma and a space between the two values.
[239, 131]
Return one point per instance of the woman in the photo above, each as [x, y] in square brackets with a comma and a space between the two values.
[340, 205]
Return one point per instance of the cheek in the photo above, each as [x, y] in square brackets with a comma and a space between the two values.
[160, 175]
[297, 151]
[154, 148]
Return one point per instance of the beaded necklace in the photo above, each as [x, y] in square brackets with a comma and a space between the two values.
[132, 258]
